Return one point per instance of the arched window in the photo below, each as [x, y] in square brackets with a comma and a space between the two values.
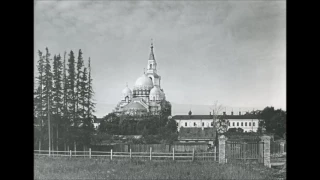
[154, 98]
[127, 99]
[150, 66]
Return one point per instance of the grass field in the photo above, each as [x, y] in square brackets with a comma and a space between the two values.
[80, 168]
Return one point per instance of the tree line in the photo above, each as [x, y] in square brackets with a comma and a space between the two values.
[63, 96]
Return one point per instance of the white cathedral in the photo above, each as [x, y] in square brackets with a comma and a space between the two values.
[146, 94]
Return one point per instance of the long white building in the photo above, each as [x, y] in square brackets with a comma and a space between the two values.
[248, 122]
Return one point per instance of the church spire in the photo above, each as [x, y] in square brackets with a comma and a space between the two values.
[151, 57]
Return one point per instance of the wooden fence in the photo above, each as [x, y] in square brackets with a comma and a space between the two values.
[244, 151]
[155, 147]
[150, 155]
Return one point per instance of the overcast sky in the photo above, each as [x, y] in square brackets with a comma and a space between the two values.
[233, 52]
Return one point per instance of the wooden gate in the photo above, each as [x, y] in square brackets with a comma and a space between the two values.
[239, 151]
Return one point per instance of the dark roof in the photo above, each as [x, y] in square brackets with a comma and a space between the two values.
[186, 117]
[135, 106]
[196, 133]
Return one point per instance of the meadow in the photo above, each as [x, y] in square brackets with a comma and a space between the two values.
[84, 168]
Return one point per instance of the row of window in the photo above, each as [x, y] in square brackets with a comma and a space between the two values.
[233, 124]
[194, 124]
[245, 124]
[141, 92]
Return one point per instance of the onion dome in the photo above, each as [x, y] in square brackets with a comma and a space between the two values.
[155, 94]
[126, 92]
[143, 82]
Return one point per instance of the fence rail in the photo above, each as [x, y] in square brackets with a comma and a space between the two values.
[203, 156]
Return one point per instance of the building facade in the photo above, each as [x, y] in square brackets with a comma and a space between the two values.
[146, 95]
[248, 122]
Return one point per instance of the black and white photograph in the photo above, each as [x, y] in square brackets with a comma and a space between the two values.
[160, 89]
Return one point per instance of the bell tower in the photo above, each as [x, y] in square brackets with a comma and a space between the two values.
[152, 68]
[152, 64]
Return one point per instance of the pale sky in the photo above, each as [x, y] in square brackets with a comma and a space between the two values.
[233, 52]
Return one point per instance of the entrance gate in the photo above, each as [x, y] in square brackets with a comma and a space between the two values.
[239, 151]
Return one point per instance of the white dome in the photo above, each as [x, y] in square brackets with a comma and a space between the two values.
[155, 91]
[155, 94]
[126, 91]
[143, 82]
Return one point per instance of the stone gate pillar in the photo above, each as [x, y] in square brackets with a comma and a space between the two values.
[222, 149]
[282, 146]
[266, 150]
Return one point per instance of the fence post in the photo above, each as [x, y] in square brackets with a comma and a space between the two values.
[70, 153]
[173, 153]
[75, 148]
[111, 155]
[90, 153]
[215, 153]
[193, 154]
[266, 150]
[130, 154]
[244, 151]
[150, 153]
[282, 147]
[222, 149]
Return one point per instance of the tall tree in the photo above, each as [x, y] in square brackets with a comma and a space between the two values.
[83, 94]
[38, 96]
[65, 114]
[57, 93]
[274, 121]
[47, 89]
[71, 100]
[78, 86]
[87, 125]
[90, 103]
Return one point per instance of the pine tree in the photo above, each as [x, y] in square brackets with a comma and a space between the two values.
[57, 94]
[71, 100]
[38, 96]
[73, 133]
[83, 93]
[65, 114]
[78, 86]
[47, 88]
[90, 104]
[87, 126]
